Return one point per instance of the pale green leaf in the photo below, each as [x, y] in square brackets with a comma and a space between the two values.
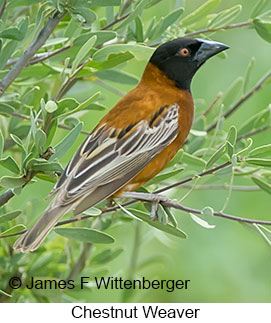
[83, 52]
[165, 228]
[138, 51]
[200, 13]
[11, 182]
[10, 164]
[135, 12]
[62, 147]
[85, 235]
[17, 228]
[9, 216]
[201, 222]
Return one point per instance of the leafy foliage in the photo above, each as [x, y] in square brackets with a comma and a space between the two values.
[58, 93]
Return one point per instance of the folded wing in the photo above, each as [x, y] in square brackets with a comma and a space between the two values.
[109, 158]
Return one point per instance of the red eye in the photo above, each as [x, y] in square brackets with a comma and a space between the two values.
[184, 52]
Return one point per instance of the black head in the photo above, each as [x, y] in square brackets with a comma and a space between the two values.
[180, 58]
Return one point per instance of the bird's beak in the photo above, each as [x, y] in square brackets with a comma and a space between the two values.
[208, 49]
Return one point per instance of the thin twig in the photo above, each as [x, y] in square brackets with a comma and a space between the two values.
[114, 208]
[38, 58]
[184, 181]
[212, 30]
[115, 21]
[2, 8]
[253, 132]
[110, 88]
[219, 214]
[30, 51]
[223, 187]
[81, 261]
[244, 98]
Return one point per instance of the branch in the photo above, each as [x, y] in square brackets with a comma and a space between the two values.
[240, 188]
[212, 30]
[253, 132]
[115, 21]
[38, 58]
[30, 51]
[219, 214]
[244, 98]
[2, 8]
[114, 208]
[8, 194]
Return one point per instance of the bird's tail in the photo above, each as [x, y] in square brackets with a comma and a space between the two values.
[32, 239]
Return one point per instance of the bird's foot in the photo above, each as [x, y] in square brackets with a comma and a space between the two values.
[154, 199]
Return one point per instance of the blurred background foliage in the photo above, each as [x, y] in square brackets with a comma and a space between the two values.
[95, 52]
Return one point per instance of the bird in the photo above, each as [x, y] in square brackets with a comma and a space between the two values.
[134, 141]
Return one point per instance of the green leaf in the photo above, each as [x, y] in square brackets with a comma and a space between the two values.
[139, 32]
[262, 184]
[260, 152]
[102, 37]
[224, 172]
[200, 13]
[15, 229]
[112, 61]
[233, 92]
[12, 33]
[231, 140]
[40, 140]
[263, 28]
[93, 211]
[256, 121]
[85, 235]
[45, 166]
[201, 222]
[64, 105]
[165, 22]
[2, 142]
[216, 156]
[259, 161]
[171, 217]
[18, 3]
[18, 141]
[88, 14]
[105, 3]
[50, 106]
[84, 105]
[6, 52]
[62, 147]
[11, 182]
[248, 74]
[117, 77]
[225, 17]
[164, 176]
[6, 109]
[9, 216]
[105, 256]
[259, 230]
[162, 215]
[259, 8]
[165, 228]
[55, 41]
[193, 160]
[10, 164]
[138, 51]
[83, 52]
[135, 12]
